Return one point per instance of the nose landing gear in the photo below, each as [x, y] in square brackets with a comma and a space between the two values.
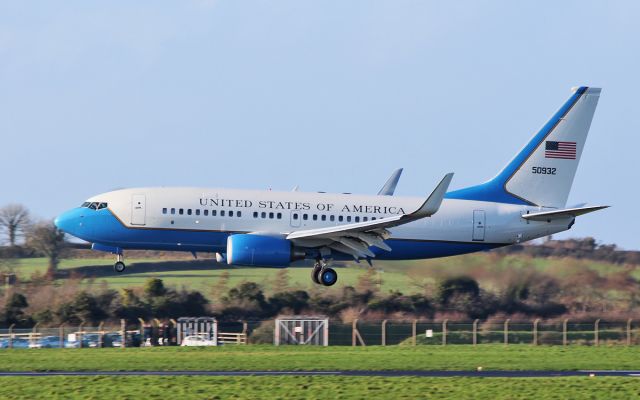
[323, 275]
[119, 266]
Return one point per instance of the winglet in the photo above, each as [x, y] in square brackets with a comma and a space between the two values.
[432, 204]
[390, 186]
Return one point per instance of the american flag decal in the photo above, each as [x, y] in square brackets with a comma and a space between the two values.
[566, 150]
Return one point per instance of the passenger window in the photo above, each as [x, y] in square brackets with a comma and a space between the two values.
[255, 214]
[181, 211]
[324, 217]
[295, 216]
[206, 212]
[164, 210]
[365, 219]
[315, 217]
[189, 211]
[340, 218]
[239, 214]
[270, 215]
[305, 217]
[263, 215]
[198, 212]
[173, 211]
[358, 219]
[279, 215]
[231, 213]
[348, 218]
[222, 213]
[214, 212]
[332, 218]
[373, 218]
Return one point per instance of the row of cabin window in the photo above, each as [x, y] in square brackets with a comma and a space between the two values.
[265, 214]
[332, 218]
[181, 211]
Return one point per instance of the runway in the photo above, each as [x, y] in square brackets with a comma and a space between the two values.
[388, 374]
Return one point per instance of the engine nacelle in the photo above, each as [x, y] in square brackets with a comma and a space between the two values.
[260, 251]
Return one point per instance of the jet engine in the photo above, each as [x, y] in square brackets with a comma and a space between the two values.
[261, 251]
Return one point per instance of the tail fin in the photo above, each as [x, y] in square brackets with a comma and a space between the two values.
[542, 172]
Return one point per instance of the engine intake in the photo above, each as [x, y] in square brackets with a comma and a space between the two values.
[260, 251]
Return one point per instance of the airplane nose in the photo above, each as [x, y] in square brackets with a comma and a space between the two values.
[63, 221]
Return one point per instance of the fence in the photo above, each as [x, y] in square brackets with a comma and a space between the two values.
[357, 333]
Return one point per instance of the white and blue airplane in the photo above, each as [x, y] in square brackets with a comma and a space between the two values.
[525, 200]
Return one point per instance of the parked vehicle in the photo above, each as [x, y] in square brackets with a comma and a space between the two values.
[47, 342]
[197, 340]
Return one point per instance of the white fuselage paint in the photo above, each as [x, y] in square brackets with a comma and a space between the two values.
[453, 222]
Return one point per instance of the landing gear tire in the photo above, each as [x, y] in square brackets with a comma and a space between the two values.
[119, 267]
[328, 277]
[315, 274]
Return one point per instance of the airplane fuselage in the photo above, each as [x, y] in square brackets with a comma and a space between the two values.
[200, 220]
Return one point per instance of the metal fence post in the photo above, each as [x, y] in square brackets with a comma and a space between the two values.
[123, 332]
[564, 331]
[413, 331]
[629, 332]
[101, 334]
[444, 332]
[506, 332]
[79, 338]
[596, 332]
[142, 338]
[475, 332]
[34, 331]
[353, 332]
[61, 335]
[384, 332]
[11, 335]
[535, 331]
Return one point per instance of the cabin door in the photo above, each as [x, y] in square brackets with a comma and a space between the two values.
[138, 209]
[478, 225]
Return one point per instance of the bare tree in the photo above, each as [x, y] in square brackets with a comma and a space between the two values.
[45, 238]
[14, 218]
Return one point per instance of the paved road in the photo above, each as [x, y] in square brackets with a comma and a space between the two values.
[440, 374]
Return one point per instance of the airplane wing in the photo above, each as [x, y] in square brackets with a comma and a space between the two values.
[355, 239]
[390, 186]
[556, 214]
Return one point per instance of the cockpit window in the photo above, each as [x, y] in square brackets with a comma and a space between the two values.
[94, 205]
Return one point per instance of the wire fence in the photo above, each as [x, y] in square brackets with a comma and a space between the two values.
[357, 333]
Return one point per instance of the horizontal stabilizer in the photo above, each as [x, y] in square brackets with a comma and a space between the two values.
[556, 214]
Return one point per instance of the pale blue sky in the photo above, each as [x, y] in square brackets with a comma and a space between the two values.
[328, 95]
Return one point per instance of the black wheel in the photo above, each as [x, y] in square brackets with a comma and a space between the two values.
[119, 267]
[328, 277]
[315, 274]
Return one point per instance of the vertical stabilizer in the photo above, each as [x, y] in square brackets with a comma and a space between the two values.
[542, 172]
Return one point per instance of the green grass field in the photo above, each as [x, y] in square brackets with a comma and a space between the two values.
[490, 357]
[405, 276]
[324, 387]
[292, 358]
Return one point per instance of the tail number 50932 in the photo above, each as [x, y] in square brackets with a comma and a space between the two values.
[543, 170]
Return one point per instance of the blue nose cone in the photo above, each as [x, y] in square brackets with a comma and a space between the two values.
[71, 222]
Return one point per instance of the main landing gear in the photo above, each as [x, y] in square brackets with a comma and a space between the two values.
[119, 266]
[323, 275]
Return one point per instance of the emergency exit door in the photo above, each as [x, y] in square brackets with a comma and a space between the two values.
[138, 209]
[478, 225]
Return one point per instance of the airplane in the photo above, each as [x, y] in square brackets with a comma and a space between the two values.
[525, 200]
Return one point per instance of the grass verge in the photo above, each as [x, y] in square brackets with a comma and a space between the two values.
[327, 387]
[291, 358]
